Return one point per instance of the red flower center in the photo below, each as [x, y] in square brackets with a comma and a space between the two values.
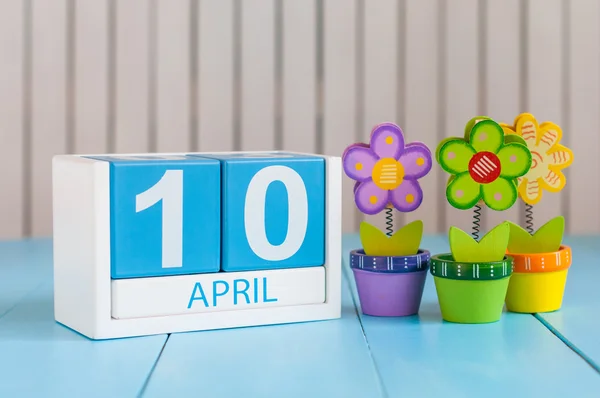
[484, 167]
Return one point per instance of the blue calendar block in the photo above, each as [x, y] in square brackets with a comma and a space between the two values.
[273, 208]
[165, 215]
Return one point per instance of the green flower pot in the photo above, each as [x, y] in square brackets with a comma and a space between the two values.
[471, 292]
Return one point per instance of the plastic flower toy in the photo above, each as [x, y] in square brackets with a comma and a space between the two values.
[549, 157]
[387, 170]
[389, 270]
[484, 165]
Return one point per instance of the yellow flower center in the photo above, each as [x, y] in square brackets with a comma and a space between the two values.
[388, 173]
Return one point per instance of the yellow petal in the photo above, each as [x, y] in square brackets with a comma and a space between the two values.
[548, 136]
[560, 156]
[530, 191]
[553, 181]
[527, 127]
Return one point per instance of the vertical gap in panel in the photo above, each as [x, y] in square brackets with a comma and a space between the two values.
[71, 74]
[400, 218]
[482, 106]
[360, 81]
[524, 75]
[237, 75]
[152, 75]
[194, 144]
[111, 78]
[319, 83]
[566, 95]
[278, 94]
[27, 112]
[442, 63]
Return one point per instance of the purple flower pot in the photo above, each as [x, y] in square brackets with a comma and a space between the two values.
[390, 286]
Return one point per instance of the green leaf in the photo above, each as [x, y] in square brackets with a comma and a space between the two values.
[405, 242]
[547, 239]
[492, 246]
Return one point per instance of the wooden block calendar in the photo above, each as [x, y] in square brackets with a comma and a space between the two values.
[164, 243]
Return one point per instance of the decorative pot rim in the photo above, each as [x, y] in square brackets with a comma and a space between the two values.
[390, 264]
[444, 266]
[543, 262]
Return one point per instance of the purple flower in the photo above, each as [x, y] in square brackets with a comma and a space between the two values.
[387, 170]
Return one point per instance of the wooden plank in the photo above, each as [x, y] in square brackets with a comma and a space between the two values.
[215, 75]
[461, 85]
[422, 103]
[465, 360]
[11, 118]
[380, 90]
[544, 92]
[502, 81]
[172, 76]
[262, 353]
[576, 322]
[299, 76]
[132, 76]
[48, 106]
[339, 91]
[584, 123]
[91, 76]
[258, 75]
[32, 342]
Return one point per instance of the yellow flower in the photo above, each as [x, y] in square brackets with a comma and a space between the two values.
[549, 157]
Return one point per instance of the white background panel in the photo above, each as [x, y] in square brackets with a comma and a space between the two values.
[132, 66]
[91, 63]
[215, 75]
[422, 101]
[258, 75]
[502, 82]
[12, 134]
[544, 88]
[460, 85]
[340, 94]
[172, 75]
[581, 134]
[380, 68]
[299, 76]
[48, 105]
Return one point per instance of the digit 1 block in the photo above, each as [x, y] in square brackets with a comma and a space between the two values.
[273, 211]
[152, 232]
[135, 255]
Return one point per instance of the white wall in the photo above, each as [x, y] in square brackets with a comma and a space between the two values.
[82, 76]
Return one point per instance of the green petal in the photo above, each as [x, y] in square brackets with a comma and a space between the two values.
[515, 160]
[454, 155]
[499, 195]
[472, 123]
[462, 192]
[487, 136]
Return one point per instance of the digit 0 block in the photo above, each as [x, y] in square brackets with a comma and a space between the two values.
[273, 211]
[137, 242]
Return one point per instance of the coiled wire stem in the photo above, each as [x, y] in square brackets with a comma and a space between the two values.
[476, 221]
[529, 218]
[389, 221]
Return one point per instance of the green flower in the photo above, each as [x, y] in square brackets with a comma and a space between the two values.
[484, 165]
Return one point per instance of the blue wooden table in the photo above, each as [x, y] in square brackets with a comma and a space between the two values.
[551, 355]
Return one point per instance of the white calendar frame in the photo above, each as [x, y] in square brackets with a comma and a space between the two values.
[81, 240]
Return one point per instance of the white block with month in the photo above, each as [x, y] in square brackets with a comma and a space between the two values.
[85, 295]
